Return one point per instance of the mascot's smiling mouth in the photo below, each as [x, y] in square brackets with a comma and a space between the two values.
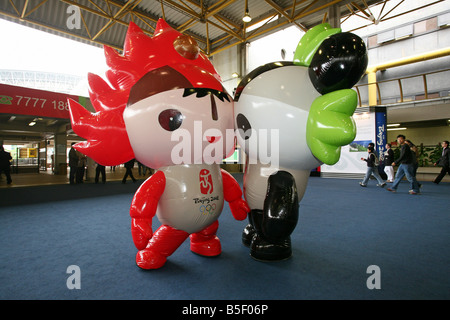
[212, 139]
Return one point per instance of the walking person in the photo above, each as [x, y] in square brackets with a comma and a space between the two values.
[129, 166]
[142, 169]
[444, 162]
[415, 161]
[5, 164]
[405, 168]
[388, 159]
[415, 155]
[372, 169]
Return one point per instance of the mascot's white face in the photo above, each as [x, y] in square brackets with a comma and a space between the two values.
[172, 128]
[271, 113]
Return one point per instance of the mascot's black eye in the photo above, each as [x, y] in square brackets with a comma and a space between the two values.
[170, 119]
[339, 63]
[244, 127]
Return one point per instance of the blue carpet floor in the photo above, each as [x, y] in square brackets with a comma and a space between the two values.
[342, 230]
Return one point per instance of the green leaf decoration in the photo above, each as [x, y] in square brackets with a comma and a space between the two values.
[311, 41]
[330, 124]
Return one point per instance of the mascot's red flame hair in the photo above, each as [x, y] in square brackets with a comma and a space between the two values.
[107, 140]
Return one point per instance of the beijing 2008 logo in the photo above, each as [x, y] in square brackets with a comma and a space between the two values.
[206, 184]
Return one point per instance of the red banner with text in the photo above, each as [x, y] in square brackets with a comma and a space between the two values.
[40, 103]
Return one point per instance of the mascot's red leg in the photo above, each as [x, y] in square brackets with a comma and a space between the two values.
[163, 243]
[205, 242]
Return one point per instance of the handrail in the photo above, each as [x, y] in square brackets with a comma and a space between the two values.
[399, 82]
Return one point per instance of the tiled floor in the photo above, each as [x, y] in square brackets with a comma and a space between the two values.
[48, 178]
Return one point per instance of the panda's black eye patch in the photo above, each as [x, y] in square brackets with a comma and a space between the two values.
[243, 126]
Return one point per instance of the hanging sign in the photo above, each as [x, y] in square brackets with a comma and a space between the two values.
[40, 103]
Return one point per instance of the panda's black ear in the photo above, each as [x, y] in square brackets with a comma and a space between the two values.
[256, 73]
[339, 63]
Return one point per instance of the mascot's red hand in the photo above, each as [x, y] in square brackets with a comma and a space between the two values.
[239, 209]
[233, 195]
[143, 209]
[141, 231]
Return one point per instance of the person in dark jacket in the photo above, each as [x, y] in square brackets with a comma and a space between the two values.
[100, 170]
[405, 168]
[129, 166]
[81, 167]
[388, 159]
[414, 155]
[73, 164]
[444, 162]
[372, 169]
[5, 164]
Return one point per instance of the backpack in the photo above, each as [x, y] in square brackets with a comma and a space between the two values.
[377, 162]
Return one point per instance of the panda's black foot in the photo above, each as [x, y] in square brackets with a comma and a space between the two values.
[263, 250]
[247, 235]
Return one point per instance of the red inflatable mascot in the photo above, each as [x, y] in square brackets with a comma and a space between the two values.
[166, 107]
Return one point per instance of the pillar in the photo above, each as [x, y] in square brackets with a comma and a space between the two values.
[90, 171]
[372, 87]
[334, 16]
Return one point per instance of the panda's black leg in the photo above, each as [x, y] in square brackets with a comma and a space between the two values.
[274, 225]
[249, 230]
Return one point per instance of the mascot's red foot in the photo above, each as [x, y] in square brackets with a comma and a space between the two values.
[150, 259]
[205, 242]
[208, 248]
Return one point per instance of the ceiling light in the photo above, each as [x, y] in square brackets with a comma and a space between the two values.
[246, 17]
[393, 125]
[394, 129]
[261, 23]
[32, 123]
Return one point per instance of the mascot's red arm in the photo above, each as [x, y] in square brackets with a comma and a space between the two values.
[233, 195]
[143, 209]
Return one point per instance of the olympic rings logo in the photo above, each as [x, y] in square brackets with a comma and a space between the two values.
[207, 209]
